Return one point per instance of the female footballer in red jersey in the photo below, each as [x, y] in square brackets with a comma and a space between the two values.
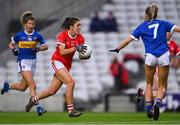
[68, 41]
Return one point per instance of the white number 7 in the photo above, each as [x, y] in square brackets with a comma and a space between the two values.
[155, 26]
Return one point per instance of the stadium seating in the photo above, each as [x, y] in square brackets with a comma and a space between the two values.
[92, 76]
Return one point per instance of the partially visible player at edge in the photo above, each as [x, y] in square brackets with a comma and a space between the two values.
[24, 46]
[153, 34]
[68, 42]
[174, 53]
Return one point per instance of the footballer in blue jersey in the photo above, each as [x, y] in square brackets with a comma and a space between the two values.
[153, 34]
[24, 46]
[27, 43]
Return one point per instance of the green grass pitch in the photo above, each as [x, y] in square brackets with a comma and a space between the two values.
[88, 118]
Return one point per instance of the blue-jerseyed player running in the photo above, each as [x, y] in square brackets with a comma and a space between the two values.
[153, 34]
[24, 46]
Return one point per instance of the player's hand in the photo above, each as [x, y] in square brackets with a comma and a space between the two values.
[81, 48]
[114, 50]
[35, 50]
[15, 51]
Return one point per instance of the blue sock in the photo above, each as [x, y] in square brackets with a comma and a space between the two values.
[149, 106]
[158, 101]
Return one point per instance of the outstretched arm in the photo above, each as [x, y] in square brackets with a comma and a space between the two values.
[122, 44]
[177, 29]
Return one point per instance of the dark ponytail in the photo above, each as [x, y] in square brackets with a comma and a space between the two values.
[26, 16]
[69, 21]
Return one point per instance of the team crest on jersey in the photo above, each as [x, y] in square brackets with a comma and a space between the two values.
[72, 43]
[29, 38]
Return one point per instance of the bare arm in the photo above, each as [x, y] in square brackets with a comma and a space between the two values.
[43, 47]
[64, 51]
[124, 43]
[12, 45]
[177, 29]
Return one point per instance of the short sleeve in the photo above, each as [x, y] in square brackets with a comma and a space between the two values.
[169, 27]
[136, 33]
[15, 39]
[61, 39]
[41, 39]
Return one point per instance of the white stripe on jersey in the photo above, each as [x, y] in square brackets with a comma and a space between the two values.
[134, 37]
[172, 28]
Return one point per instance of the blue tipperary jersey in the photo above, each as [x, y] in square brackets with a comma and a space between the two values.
[26, 42]
[153, 34]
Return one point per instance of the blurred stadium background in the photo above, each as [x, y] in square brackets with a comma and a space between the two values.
[94, 83]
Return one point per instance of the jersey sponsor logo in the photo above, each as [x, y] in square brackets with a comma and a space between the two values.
[27, 44]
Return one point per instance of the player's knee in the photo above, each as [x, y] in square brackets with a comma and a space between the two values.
[51, 92]
[23, 88]
[71, 82]
[163, 89]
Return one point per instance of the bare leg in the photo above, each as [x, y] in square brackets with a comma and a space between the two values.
[66, 78]
[162, 82]
[28, 77]
[61, 76]
[51, 90]
[21, 86]
[149, 71]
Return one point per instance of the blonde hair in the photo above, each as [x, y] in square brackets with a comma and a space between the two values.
[151, 12]
[27, 15]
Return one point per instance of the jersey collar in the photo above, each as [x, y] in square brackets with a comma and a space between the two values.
[71, 36]
[28, 33]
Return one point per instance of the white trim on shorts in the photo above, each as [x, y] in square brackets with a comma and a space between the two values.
[27, 65]
[163, 60]
[56, 65]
